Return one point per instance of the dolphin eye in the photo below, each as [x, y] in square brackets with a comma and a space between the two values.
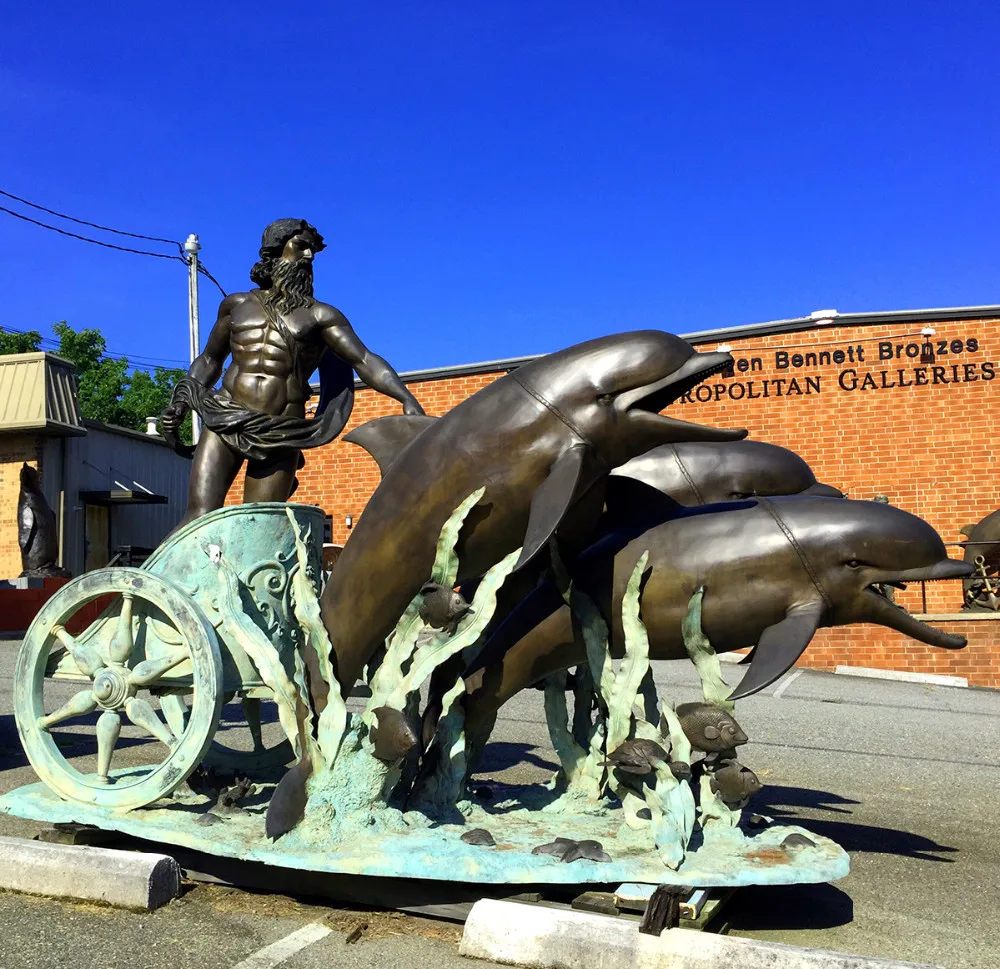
[855, 564]
[606, 398]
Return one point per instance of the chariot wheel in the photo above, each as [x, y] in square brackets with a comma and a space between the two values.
[260, 757]
[102, 658]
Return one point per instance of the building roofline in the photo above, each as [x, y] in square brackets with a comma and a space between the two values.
[829, 318]
[91, 423]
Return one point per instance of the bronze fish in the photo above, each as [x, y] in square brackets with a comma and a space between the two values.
[442, 608]
[556, 848]
[796, 840]
[734, 783]
[479, 837]
[709, 728]
[680, 770]
[636, 756]
[587, 851]
[566, 850]
[394, 736]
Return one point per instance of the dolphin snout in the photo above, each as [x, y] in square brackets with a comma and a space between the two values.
[945, 569]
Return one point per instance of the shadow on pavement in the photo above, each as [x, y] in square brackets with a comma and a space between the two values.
[499, 756]
[789, 907]
[773, 800]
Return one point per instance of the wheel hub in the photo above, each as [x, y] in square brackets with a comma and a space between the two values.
[112, 687]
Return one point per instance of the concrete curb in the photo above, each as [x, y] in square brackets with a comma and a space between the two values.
[127, 879]
[526, 935]
[938, 679]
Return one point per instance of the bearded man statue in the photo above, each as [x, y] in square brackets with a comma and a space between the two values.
[277, 335]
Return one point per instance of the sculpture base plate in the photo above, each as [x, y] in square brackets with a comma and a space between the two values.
[390, 844]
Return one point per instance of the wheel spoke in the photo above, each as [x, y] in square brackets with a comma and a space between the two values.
[176, 714]
[109, 726]
[86, 659]
[77, 706]
[251, 712]
[150, 670]
[143, 715]
[123, 643]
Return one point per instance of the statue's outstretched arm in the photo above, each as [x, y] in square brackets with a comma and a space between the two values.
[340, 337]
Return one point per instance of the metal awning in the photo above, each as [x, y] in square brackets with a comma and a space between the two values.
[121, 496]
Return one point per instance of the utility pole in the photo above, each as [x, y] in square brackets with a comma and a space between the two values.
[192, 247]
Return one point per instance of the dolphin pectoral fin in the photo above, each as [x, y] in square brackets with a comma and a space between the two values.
[385, 438]
[288, 803]
[553, 498]
[630, 502]
[779, 647]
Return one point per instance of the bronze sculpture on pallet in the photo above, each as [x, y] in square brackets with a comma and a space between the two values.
[509, 489]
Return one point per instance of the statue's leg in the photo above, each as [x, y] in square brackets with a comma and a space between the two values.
[273, 479]
[212, 473]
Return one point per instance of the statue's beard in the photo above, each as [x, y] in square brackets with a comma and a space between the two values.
[291, 285]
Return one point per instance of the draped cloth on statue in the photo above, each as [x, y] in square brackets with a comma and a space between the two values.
[258, 436]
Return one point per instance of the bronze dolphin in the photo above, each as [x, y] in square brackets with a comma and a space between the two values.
[774, 570]
[703, 472]
[541, 439]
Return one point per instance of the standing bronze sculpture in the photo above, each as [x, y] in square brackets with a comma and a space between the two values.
[277, 335]
[37, 532]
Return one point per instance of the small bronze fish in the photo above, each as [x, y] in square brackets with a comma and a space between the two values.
[556, 848]
[207, 819]
[394, 736]
[442, 607]
[636, 756]
[734, 783]
[680, 770]
[587, 851]
[796, 840]
[479, 837]
[709, 728]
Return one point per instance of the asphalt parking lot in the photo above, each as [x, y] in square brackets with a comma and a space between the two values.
[902, 775]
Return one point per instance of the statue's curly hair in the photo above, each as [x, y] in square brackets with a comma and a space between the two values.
[272, 243]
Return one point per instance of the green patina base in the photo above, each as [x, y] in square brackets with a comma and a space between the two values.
[388, 843]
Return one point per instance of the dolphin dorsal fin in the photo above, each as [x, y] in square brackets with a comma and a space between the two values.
[567, 480]
[630, 502]
[966, 530]
[385, 438]
[779, 647]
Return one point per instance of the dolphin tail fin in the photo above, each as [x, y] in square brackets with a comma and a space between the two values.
[554, 497]
[630, 502]
[779, 647]
[385, 438]
[288, 803]
[748, 658]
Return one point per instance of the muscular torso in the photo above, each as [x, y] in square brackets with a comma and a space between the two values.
[265, 373]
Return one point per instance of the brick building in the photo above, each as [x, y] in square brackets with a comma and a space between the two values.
[895, 404]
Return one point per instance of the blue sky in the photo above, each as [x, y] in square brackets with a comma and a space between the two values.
[503, 178]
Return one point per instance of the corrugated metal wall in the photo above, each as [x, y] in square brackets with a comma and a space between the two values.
[95, 463]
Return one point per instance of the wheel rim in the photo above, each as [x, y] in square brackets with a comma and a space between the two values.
[111, 682]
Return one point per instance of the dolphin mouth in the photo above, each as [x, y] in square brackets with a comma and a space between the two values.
[654, 397]
[879, 609]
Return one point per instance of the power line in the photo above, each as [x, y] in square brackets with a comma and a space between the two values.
[93, 225]
[96, 242]
[49, 342]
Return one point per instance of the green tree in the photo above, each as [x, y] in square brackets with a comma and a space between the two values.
[11, 342]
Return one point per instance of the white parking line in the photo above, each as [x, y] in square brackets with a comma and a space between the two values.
[277, 952]
[788, 682]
